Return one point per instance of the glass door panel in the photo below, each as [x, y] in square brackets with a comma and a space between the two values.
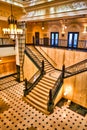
[54, 38]
[70, 39]
[73, 39]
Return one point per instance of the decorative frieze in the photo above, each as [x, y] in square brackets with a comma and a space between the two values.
[56, 10]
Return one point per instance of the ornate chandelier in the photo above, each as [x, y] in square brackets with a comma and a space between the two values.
[12, 30]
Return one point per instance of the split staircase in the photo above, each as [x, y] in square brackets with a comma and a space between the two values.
[40, 94]
[42, 91]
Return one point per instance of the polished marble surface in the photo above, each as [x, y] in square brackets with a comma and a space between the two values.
[21, 116]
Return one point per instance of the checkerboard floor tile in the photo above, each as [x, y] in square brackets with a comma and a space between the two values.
[21, 116]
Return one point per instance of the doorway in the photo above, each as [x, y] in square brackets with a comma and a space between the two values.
[54, 38]
[73, 39]
[37, 38]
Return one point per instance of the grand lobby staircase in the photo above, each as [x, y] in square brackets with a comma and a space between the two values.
[43, 92]
[39, 95]
[38, 57]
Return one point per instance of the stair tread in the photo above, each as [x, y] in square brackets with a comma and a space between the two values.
[46, 83]
[48, 80]
[40, 91]
[40, 95]
[37, 107]
[49, 77]
[37, 102]
[38, 98]
[48, 66]
[45, 86]
[41, 88]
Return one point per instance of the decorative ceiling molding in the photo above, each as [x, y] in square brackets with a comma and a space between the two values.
[57, 11]
[47, 10]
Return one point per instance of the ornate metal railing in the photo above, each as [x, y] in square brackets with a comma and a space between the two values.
[6, 42]
[53, 92]
[76, 68]
[62, 43]
[29, 85]
[33, 57]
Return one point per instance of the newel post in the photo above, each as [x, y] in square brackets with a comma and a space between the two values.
[42, 70]
[50, 102]
[63, 71]
[26, 87]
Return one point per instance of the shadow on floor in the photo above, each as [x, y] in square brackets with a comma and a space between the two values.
[73, 106]
[3, 106]
[31, 128]
[78, 109]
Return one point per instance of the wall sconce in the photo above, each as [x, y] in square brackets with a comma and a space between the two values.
[0, 59]
[42, 25]
[85, 29]
[68, 90]
[63, 29]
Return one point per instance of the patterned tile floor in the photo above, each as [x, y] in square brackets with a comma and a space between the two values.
[21, 116]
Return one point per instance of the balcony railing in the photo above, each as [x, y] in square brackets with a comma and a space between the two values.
[6, 42]
[61, 43]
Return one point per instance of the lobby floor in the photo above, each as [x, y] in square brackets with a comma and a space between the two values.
[21, 116]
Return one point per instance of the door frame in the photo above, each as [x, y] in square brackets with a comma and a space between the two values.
[73, 33]
[54, 38]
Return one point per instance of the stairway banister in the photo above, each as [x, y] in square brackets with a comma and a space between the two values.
[34, 80]
[79, 63]
[32, 54]
[76, 68]
[47, 56]
[53, 92]
[37, 62]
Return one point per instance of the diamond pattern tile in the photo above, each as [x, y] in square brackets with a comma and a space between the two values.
[21, 116]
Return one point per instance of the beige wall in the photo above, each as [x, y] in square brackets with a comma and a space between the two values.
[7, 65]
[55, 26]
[67, 57]
[75, 87]
[3, 24]
[29, 68]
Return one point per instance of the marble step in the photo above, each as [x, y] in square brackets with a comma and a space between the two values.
[36, 106]
[37, 102]
[48, 80]
[44, 83]
[42, 88]
[38, 98]
[39, 94]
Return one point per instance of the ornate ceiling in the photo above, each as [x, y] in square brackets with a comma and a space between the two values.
[41, 10]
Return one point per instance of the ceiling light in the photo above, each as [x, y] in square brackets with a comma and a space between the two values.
[12, 30]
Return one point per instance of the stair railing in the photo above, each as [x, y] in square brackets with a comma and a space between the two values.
[29, 85]
[76, 68]
[47, 59]
[53, 92]
[33, 57]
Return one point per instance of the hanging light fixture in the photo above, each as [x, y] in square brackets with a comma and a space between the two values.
[12, 30]
[42, 25]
